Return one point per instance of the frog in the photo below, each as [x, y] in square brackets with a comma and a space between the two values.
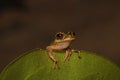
[62, 42]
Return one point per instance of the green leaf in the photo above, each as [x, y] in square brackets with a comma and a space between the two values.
[36, 65]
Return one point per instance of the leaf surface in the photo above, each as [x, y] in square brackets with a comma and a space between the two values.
[36, 65]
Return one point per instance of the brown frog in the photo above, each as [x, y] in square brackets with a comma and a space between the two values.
[62, 41]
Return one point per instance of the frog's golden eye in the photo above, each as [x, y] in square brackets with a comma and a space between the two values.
[71, 33]
[59, 35]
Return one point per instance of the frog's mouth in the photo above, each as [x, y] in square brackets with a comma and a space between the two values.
[69, 39]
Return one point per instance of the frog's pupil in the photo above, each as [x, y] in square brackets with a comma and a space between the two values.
[59, 36]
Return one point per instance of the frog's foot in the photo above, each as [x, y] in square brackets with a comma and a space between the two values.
[68, 55]
[56, 66]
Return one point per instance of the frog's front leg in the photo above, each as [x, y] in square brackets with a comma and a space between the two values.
[52, 57]
[69, 52]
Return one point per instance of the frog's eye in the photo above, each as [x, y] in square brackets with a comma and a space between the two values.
[59, 35]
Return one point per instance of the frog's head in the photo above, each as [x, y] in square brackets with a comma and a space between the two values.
[62, 37]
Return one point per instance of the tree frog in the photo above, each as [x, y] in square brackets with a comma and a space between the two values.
[62, 41]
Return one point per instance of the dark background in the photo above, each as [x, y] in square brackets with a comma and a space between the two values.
[29, 24]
